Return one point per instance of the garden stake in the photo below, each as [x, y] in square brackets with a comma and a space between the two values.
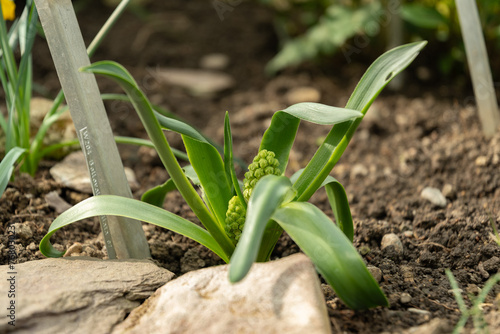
[479, 66]
[124, 237]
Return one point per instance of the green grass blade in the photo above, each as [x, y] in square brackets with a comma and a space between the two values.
[110, 205]
[267, 195]
[7, 166]
[147, 115]
[333, 254]
[378, 75]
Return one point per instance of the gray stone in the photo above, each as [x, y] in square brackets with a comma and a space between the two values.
[405, 298]
[56, 202]
[283, 296]
[434, 196]
[435, 326]
[392, 240]
[72, 172]
[77, 295]
[376, 273]
[198, 82]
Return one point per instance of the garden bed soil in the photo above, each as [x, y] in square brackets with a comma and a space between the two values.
[416, 138]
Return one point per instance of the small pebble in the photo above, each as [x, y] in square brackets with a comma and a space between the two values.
[481, 161]
[76, 248]
[358, 170]
[448, 191]
[408, 234]
[23, 231]
[214, 61]
[393, 240]
[376, 273]
[434, 196]
[418, 311]
[32, 246]
[405, 298]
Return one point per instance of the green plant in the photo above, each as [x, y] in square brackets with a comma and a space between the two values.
[21, 146]
[275, 202]
[475, 311]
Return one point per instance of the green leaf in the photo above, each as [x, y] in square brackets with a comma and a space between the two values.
[268, 194]
[7, 166]
[110, 205]
[156, 196]
[333, 254]
[150, 121]
[229, 161]
[338, 201]
[423, 16]
[330, 32]
[340, 206]
[280, 135]
[378, 75]
[209, 167]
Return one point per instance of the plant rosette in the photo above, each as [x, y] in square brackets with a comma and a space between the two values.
[243, 220]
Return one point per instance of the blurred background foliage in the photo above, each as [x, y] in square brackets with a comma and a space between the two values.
[311, 29]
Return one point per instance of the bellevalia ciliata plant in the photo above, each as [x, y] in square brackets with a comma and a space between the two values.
[269, 201]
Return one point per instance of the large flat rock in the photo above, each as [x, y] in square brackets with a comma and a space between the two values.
[283, 296]
[77, 294]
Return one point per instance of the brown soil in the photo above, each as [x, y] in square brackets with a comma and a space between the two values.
[408, 141]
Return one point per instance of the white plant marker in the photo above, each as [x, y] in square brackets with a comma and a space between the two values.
[479, 66]
[124, 237]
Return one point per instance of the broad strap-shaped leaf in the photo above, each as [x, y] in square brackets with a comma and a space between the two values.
[209, 167]
[378, 75]
[207, 164]
[338, 202]
[156, 195]
[110, 205]
[268, 194]
[150, 121]
[333, 254]
[7, 166]
[280, 135]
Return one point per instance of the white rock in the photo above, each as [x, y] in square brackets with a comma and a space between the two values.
[214, 61]
[198, 82]
[283, 296]
[72, 172]
[77, 294]
[303, 94]
[434, 196]
[392, 239]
